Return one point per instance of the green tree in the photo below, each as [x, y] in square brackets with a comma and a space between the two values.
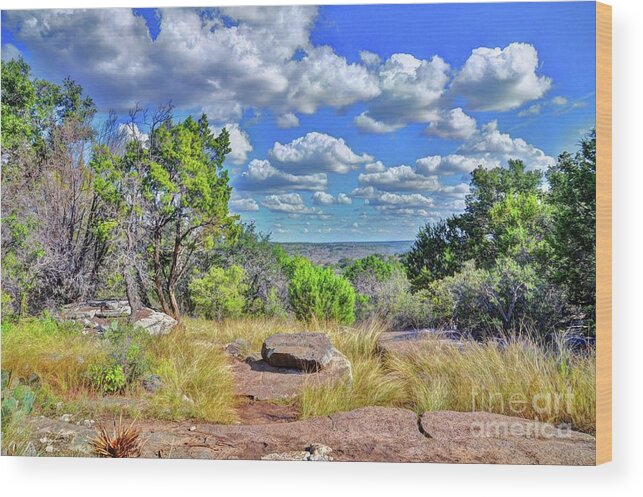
[173, 187]
[437, 252]
[219, 293]
[487, 188]
[572, 194]
[495, 223]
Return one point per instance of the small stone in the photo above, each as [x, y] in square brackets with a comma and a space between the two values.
[238, 348]
[30, 450]
[192, 428]
[66, 418]
[319, 452]
[152, 383]
[187, 399]
[49, 449]
[298, 455]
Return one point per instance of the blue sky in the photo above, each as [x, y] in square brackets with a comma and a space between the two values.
[347, 122]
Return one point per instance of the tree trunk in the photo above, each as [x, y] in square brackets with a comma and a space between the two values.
[175, 311]
[131, 288]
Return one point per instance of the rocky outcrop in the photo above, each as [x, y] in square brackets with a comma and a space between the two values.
[97, 316]
[366, 434]
[304, 351]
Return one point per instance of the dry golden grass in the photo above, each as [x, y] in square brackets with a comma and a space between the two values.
[521, 378]
[60, 355]
[196, 378]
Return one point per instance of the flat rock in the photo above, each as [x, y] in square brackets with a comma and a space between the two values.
[366, 434]
[408, 341]
[259, 380]
[97, 315]
[154, 322]
[303, 351]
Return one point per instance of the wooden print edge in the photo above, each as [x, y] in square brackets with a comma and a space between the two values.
[603, 233]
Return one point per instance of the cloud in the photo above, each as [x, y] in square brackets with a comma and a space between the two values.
[367, 124]
[532, 110]
[364, 192]
[323, 198]
[239, 142]
[130, 131]
[501, 78]
[288, 120]
[288, 203]
[388, 201]
[10, 52]
[317, 152]
[494, 148]
[452, 125]
[225, 67]
[375, 167]
[262, 176]
[324, 78]
[244, 205]
[369, 58]
[411, 90]
[399, 178]
[558, 100]
[450, 164]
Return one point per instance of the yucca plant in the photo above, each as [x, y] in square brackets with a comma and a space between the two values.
[123, 442]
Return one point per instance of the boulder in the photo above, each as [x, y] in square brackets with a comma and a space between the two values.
[154, 322]
[303, 351]
[259, 380]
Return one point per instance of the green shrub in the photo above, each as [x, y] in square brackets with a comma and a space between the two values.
[219, 293]
[373, 266]
[507, 297]
[318, 293]
[127, 348]
[109, 379]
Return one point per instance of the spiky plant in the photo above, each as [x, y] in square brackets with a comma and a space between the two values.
[123, 442]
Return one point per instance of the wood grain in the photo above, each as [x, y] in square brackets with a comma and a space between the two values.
[603, 233]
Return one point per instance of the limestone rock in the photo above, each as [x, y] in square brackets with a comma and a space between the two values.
[154, 322]
[304, 351]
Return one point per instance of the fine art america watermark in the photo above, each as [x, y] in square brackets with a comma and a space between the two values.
[545, 405]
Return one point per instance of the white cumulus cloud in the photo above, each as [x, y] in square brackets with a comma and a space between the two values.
[262, 176]
[501, 78]
[317, 152]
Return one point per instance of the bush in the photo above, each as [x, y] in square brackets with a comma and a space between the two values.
[318, 293]
[508, 297]
[127, 350]
[371, 268]
[219, 294]
[109, 379]
[266, 292]
[391, 301]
